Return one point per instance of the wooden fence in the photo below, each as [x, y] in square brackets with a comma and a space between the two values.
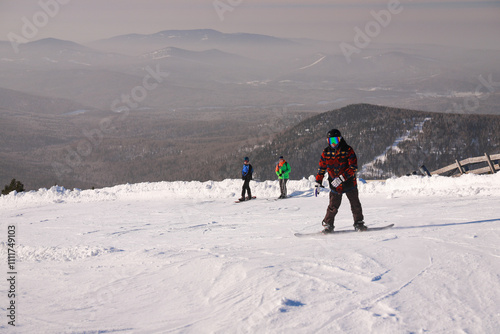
[472, 165]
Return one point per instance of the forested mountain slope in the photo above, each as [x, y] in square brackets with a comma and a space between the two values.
[388, 141]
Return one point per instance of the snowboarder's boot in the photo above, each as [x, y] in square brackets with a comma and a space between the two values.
[242, 199]
[360, 226]
[328, 228]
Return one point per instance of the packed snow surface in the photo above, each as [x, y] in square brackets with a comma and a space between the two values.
[183, 257]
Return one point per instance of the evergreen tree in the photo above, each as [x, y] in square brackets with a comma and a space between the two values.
[14, 185]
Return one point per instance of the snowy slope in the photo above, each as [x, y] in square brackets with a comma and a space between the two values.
[370, 169]
[182, 257]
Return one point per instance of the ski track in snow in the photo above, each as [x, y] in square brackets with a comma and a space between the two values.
[370, 169]
[182, 257]
[311, 65]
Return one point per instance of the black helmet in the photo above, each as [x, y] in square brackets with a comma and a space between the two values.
[333, 133]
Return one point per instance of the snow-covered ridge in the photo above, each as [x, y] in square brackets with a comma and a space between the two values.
[466, 185]
[370, 169]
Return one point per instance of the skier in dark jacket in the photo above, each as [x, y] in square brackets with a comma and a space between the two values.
[246, 176]
[341, 163]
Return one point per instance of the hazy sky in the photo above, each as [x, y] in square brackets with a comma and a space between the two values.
[447, 22]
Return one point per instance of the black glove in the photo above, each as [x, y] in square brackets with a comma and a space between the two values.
[317, 188]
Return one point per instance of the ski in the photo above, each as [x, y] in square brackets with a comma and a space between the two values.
[238, 201]
[370, 229]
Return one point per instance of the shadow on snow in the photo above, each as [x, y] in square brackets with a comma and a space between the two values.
[448, 224]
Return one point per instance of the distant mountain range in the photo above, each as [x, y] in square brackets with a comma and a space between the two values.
[198, 39]
[199, 35]
[194, 101]
[254, 70]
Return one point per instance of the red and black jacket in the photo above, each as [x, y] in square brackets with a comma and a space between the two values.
[339, 162]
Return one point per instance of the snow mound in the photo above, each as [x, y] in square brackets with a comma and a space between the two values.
[465, 185]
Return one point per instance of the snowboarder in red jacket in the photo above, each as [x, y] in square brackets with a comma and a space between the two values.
[341, 163]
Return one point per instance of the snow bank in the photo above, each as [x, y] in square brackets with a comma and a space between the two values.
[463, 186]
[228, 188]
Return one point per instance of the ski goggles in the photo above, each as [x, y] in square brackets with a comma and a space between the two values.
[334, 141]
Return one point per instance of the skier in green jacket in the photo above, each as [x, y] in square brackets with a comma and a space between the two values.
[283, 172]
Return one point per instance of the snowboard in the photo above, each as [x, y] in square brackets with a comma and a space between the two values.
[370, 229]
[238, 201]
